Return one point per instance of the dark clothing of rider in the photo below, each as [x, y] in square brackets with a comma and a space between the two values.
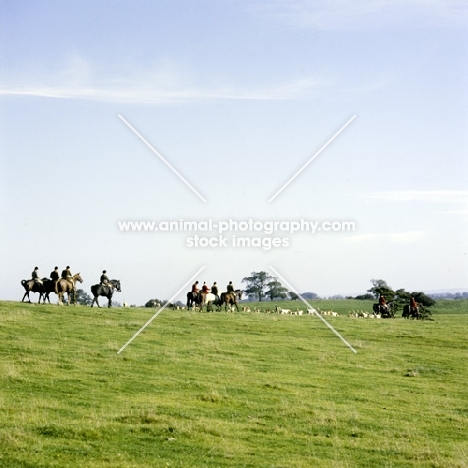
[214, 289]
[230, 287]
[54, 276]
[104, 279]
[66, 274]
[35, 276]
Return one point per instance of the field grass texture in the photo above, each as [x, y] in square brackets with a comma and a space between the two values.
[232, 389]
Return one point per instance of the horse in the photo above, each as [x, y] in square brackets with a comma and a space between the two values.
[67, 286]
[212, 298]
[386, 311]
[411, 312]
[105, 290]
[33, 286]
[49, 287]
[194, 298]
[230, 298]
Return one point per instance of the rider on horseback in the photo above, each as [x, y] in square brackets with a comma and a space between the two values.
[66, 275]
[54, 275]
[214, 289]
[382, 301]
[413, 305]
[205, 291]
[104, 278]
[230, 287]
[35, 276]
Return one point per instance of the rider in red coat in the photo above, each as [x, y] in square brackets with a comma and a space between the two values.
[382, 301]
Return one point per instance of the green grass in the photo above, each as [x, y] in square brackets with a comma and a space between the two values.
[217, 390]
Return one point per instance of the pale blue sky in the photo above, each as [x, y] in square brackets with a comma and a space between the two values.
[237, 96]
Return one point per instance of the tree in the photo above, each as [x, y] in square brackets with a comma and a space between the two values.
[257, 283]
[381, 287]
[403, 297]
[364, 297]
[276, 290]
[293, 296]
[153, 303]
[310, 295]
[421, 298]
[83, 298]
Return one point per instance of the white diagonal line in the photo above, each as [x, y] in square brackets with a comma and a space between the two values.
[318, 315]
[159, 311]
[311, 159]
[162, 158]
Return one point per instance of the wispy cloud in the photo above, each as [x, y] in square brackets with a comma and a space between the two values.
[364, 14]
[441, 196]
[166, 85]
[455, 212]
[408, 237]
[290, 91]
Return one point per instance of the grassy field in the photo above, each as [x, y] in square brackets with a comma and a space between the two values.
[242, 389]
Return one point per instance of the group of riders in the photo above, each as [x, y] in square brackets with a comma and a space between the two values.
[65, 283]
[54, 276]
[386, 310]
[65, 275]
[197, 296]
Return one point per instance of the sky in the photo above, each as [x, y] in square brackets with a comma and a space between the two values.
[237, 97]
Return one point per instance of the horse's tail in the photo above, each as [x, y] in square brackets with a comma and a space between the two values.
[56, 286]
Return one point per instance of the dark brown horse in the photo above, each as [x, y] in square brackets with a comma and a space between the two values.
[386, 311]
[230, 298]
[67, 286]
[35, 287]
[411, 312]
[49, 287]
[105, 290]
[194, 299]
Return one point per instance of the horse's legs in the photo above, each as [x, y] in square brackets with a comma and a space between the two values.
[110, 301]
[26, 294]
